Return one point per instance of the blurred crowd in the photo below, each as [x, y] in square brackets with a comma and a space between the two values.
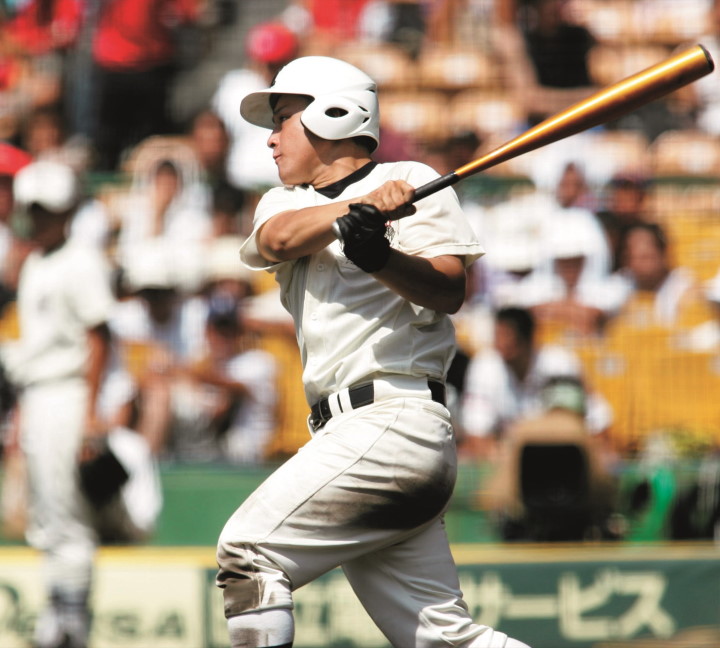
[592, 295]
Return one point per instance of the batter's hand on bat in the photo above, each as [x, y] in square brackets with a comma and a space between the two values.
[391, 199]
[362, 234]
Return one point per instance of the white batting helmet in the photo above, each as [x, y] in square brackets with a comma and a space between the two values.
[52, 185]
[344, 105]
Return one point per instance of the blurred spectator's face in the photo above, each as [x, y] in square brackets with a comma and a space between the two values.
[551, 13]
[161, 303]
[507, 343]
[627, 202]
[167, 183]
[571, 187]
[222, 340]
[167, 179]
[646, 262]
[224, 223]
[210, 140]
[44, 134]
[569, 270]
[232, 288]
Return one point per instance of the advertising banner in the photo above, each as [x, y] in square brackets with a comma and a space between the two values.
[550, 598]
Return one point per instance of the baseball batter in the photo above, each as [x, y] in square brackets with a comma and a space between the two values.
[369, 489]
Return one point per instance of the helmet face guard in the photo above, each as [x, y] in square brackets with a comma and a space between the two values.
[344, 99]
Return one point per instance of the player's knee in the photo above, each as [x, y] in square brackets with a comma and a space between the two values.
[249, 580]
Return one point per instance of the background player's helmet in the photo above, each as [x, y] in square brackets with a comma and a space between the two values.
[344, 105]
[51, 185]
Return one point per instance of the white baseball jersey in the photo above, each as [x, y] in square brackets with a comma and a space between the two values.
[60, 296]
[350, 327]
[369, 489]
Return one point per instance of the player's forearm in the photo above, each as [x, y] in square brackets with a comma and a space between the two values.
[437, 283]
[98, 359]
[295, 234]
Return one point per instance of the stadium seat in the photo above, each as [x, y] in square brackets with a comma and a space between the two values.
[625, 22]
[487, 112]
[456, 68]
[421, 115]
[292, 408]
[671, 200]
[606, 371]
[611, 63]
[622, 151]
[688, 154]
[610, 21]
[390, 66]
[695, 241]
[678, 390]
[671, 23]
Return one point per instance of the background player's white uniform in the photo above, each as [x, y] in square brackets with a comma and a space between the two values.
[368, 491]
[61, 296]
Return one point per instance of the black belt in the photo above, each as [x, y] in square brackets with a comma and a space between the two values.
[364, 395]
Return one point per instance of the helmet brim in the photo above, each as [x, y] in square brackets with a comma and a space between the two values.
[255, 109]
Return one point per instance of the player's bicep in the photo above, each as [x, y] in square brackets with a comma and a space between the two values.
[270, 239]
[451, 266]
[453, 274]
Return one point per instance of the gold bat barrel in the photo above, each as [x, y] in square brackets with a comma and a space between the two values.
[603, 106]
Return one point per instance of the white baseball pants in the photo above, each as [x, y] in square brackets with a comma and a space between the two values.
[60, 523]
[367, 493]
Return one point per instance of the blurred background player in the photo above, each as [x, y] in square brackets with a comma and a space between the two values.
[64, 303]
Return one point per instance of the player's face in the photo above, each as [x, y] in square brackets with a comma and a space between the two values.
[47, 229]
[295, 149]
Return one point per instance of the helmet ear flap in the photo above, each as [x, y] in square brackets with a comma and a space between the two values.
[338, 117]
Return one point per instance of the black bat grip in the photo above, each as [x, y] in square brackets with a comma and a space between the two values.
[433, 186]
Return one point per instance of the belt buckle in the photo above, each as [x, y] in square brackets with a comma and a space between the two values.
[320, 414]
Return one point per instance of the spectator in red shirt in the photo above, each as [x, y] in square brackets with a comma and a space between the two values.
[34, 45]
[42, 26]
[135, 55]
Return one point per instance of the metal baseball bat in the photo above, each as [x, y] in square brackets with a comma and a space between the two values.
[605, 105]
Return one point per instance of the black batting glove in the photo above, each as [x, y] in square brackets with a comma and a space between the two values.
[362, 234]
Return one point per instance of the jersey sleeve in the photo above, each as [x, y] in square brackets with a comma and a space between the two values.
[439, 226]
[275, 201]
[91, 294]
